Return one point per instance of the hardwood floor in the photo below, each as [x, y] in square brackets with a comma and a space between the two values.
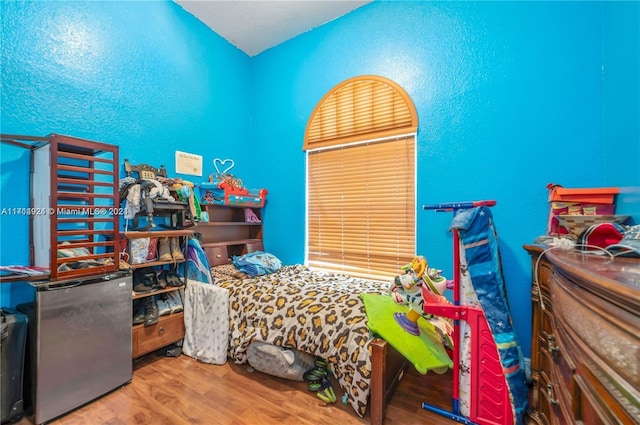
[170, 390]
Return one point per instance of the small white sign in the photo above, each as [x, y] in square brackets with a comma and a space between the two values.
[188, 163]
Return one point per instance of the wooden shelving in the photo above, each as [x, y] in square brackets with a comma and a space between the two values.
[138, 295]
[227, 233]
[74, 214]
[170, 328]
[156, 233]
[233, 242]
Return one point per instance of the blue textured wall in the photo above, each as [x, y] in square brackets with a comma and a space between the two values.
[510, 96]
[146, 76]
[621, 103]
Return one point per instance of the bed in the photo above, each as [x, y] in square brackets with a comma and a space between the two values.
[319, 313]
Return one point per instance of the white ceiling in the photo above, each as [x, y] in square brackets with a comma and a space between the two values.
[254, 26]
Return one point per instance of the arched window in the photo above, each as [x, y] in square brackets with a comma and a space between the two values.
[360, 143]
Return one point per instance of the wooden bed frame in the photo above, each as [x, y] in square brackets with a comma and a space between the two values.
[387, 364]
[387, 369]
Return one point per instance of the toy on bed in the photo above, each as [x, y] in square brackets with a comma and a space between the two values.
[227, 189]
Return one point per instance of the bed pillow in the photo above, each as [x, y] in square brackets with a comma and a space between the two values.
[257, 263]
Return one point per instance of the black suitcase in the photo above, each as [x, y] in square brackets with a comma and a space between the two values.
[13, 336]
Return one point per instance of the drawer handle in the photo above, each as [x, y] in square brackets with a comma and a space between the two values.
[552, 400]
[161, 330]
[551, 345]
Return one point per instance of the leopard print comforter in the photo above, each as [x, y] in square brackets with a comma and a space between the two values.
[316, 312]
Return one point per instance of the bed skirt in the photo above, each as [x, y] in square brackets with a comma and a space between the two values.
[206, 322]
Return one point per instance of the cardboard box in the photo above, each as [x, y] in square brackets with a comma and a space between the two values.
[582, 201]
[599, 196]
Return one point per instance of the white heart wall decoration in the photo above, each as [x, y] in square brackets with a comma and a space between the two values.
[222, 166]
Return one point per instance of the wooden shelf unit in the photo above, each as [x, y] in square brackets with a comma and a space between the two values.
[74, 204]
[227, 233]
[170, 328]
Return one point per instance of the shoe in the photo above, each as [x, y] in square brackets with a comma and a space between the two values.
[163, 306]
[171, 350]
[173, 279]
[162, 279]
[143, 282]
[175, 302]
[138, 312]
[164, 249]
[142, 288]
[174, 352]
[174, 245]
[151, 279]
[151, 312]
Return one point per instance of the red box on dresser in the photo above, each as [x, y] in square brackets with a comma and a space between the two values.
[578, 202]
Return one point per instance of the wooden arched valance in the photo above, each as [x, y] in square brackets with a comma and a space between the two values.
[364, 107]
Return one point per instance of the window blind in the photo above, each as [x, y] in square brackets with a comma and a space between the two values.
[361, 108]
[360, 143]
[361, 207]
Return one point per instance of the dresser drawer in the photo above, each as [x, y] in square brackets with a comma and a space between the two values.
[547, 409]
[548, 326]
[217, 255]
[169, 329]
[553, 405]
[544, 276]
[254, 246]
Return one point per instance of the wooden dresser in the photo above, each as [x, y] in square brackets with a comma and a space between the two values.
[585, 350]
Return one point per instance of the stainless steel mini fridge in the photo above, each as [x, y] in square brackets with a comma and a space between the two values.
[82, 338]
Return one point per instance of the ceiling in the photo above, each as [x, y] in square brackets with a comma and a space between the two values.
[254, 26]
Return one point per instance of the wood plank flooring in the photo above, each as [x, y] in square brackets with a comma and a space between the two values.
[181, 390]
